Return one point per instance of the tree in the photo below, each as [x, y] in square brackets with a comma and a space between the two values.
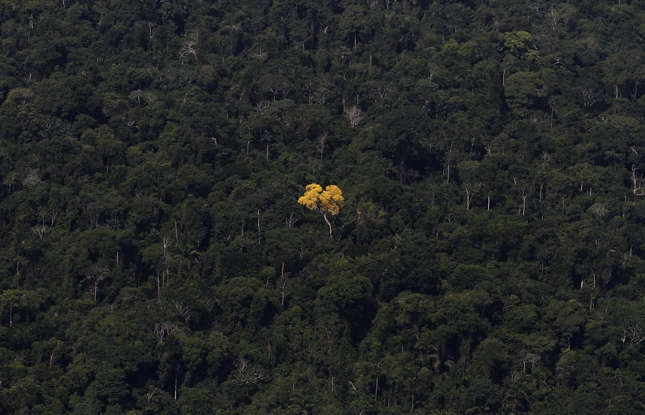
[328, 201]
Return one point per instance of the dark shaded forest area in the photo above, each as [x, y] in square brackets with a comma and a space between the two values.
[489, 256]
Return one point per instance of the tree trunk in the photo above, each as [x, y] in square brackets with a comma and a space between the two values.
[376, 389]
[328, 224]
[158, 288]
[259, 229]
[283, 284]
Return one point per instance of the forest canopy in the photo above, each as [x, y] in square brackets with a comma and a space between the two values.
[158, 254]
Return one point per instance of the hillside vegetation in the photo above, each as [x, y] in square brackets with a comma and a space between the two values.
[487, 256]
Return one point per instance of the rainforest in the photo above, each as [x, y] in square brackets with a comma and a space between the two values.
[479, 246]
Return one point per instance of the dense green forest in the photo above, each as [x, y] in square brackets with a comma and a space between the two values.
[489, 256]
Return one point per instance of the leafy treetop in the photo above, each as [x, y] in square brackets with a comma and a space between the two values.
[326, 201]
[329, 200]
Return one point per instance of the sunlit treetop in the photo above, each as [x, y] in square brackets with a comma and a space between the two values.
[326, 201]
[311, 197]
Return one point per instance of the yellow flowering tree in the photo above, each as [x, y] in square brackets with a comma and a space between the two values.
[328, 201]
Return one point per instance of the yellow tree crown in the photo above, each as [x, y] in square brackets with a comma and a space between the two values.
[326, 201]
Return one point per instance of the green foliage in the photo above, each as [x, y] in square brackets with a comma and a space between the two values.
[488, 256]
